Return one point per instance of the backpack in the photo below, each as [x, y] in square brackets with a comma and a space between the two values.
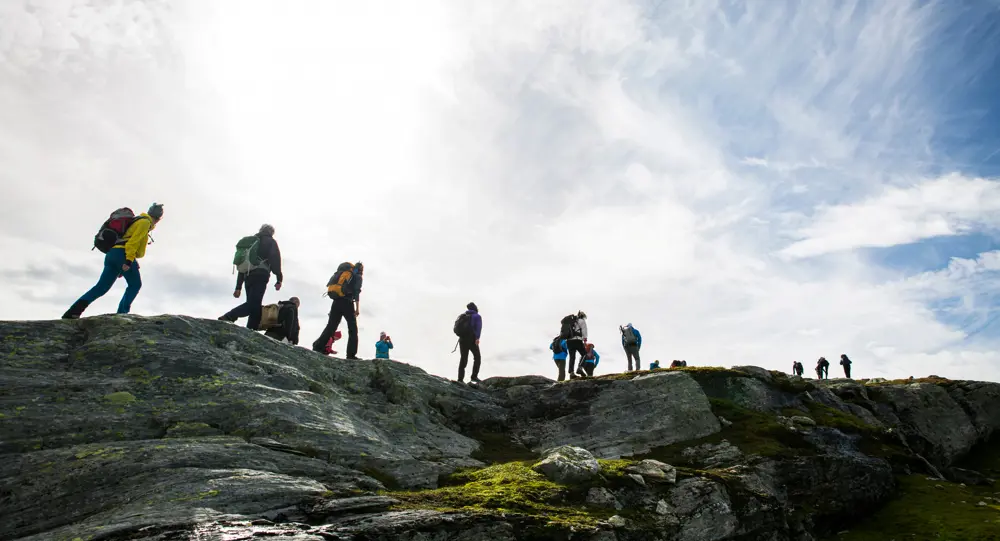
[463, 325]
[557, 345]
[568, 326]
[628, 336]
[113, 229]
[247, 257]
[269, 316]
[340, 282]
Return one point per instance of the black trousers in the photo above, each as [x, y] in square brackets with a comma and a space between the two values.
[630, 352]
[561, 365]
[587, 368]
[573, 347]
[343, 308]
[847, 371]
[464, 347]
[255, 285]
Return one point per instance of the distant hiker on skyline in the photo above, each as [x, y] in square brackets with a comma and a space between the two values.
[631, 342]
[285, 324]
[257, 256]
[573, 328]
[846, 363]
[797, 368]
[559, 353]
[329, 343]
[822, 368]
[589, 362]
[122, 238]
[468, 327]
[383, 346]
[676, 364]
[654, 365]
[344, 287]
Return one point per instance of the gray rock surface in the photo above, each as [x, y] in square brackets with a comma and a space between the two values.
[569, 465]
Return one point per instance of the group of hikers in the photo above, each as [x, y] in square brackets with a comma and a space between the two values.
[123, 238]
[823, 367]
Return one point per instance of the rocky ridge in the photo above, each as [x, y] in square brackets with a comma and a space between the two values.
[124, 427]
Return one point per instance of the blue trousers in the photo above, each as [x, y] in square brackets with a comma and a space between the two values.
[113, 262]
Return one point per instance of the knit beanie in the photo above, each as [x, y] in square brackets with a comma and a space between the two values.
[155, 211]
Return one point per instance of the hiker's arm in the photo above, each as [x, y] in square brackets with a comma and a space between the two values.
[240, 277]
[274, 260]
[140, 232]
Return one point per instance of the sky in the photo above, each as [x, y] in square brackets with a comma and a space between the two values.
[745, 182]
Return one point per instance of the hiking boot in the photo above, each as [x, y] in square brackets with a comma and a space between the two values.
[76, 310]
[475, 379]
[353, 358]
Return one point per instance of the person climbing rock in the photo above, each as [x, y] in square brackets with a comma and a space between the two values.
[574, 329]
[383, 346]
[559, 353]
[344, 288]
[257, 257]
[846, 363]
[631, 342]
[287, 327]
[123, 239]
[589, 361]
[468, 327]
[822, 368]
[798, 369]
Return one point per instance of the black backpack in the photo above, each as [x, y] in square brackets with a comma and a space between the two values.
[568, 326]
[112, 231]
[463, 325]
[557, 345]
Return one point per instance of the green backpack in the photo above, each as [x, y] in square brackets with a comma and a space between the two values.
[247, 257]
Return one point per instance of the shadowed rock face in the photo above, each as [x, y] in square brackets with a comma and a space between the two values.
[123, 427]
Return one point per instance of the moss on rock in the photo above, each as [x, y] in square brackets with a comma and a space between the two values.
[119, 398]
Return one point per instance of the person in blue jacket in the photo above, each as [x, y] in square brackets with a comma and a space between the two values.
[383, 346]
[631, 341]
[589, 362]
[559, 354]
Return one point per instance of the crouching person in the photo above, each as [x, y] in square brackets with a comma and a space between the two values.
[285, 322]
[589, 362]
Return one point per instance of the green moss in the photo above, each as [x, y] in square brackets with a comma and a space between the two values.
[498, 447]
[108, 453]
[932, 511]
[198, 496]
[120, 398]
[614, 467]
[140, 375]
[832, 417]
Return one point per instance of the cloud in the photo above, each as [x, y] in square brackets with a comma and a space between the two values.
[688, 167]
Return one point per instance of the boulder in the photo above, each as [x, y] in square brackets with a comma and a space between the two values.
[654, 470]
[568, 465]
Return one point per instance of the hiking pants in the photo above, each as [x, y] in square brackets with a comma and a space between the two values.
[587, 368]
[561, 365]
[256, 286]
[630, 352]
[464, 347]
[343, 308]
[573, 346]
[113, 262]
[847, 371]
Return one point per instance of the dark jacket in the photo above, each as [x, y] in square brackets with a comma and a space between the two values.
[476, 323]
[268, 251]
[288, 319]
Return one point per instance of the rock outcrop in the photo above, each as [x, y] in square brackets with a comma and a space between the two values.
[124, 427]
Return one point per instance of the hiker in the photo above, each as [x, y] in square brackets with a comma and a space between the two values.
[257, 257]
[122, 238]
[559, 353]
[846, 363]
[574, 329]
[344, 287]
[822, 368]
[631, 342]
[676, 364]
[589, 362]
[468, 326]
[281, 321]
[383, 346]
[655, 365]
[797, 368]
[329, 344]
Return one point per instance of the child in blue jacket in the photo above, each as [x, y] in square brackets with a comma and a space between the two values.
[589, 362]
[559, 353]
[383, 346]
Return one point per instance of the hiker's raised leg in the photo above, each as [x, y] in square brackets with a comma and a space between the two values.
[134, 281]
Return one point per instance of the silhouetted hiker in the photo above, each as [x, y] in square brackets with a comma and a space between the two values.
[797, 368]
[589, 362]
[257, 256]
[559, 353]
[676, 364]
[383, 346]
[344, 288]
[329, 343]
[468, 327]
[285, 324]
[631, 342]
[846, 363]
[822, 368]
[654, 365]
[122, 238]
[574, 329]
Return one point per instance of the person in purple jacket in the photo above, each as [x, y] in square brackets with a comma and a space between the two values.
[468, 328]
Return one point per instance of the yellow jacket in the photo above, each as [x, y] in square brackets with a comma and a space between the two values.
[134, 240]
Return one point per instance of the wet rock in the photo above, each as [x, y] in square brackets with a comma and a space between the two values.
[569, 465]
